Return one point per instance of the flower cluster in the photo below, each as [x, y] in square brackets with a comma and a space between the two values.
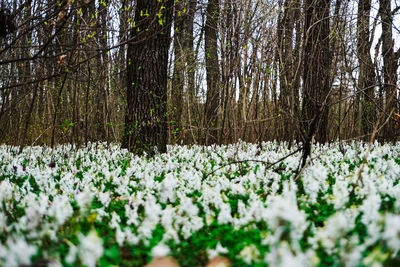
[102, 205]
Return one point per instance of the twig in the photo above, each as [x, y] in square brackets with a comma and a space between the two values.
[254, 160]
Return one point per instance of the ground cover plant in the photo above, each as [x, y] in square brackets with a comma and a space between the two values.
[101, 205]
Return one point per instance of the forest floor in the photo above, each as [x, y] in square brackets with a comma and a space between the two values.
[100, 205]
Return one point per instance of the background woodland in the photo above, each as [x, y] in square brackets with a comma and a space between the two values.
[253, 70]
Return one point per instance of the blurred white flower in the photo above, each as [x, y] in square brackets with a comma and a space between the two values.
[60, 209]
[335, 228]
[130, 237]
[6, 190]
[18, 252]
[212, 253]
[90, 248]
[250, 254]
[3, 222]
[314, 178]
[120, 236]
[224, 215]
[54, 263]
[115, 220]
[392, 231]
[188, 207]
[160, 250]
[72, 253]
[167, 188]
[340, 193]
[84, 199]
[282, 212]
[104, 198]
[284, 255]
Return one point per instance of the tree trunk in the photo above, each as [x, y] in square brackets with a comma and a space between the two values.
[366, 79]
[178, 78]
[102, 60]
[147, 63]
[390, 59]
[316, 76]
[188, 47]
[212, 70]
[287, 66]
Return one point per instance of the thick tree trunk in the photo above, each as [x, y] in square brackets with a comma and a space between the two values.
[147, 63]
[213, 75]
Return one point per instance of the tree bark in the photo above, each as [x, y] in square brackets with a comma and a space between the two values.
[178, 78]
[147, 63]
[316, 75]
[366, 79]
[212, 73]
[188, 47]
[287, 67]
[390, 64]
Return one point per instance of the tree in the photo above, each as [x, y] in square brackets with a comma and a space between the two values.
[212, 72]
[316, 75]
[366, 79]
[269, 70]
[147, 65]
[6, 22]
[178, 78]
[287, 58]
[390, 60]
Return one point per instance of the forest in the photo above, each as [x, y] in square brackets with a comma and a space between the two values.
[214, 72]
[199, 133]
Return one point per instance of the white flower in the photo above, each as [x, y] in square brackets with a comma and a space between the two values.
[160, 250]
[71, 256]
[188, 207]
[120, 236]
[90, 248]
[352, 256]
[167, 188]
[340, 193]
[18, 252]
[60, 209]
[84, 199]
[335, 228]
[115, 220]
[3, 222]
[212, 253]
[285, 256]
[104, 198]
[249, 254]
[314, 180]
[224, 215]
[132, 215]
[153, 210]
[392, 231]
[54, 263]
[145, 230]
[282, 211]
[370, 209]
[130, 237]
[6, 190]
